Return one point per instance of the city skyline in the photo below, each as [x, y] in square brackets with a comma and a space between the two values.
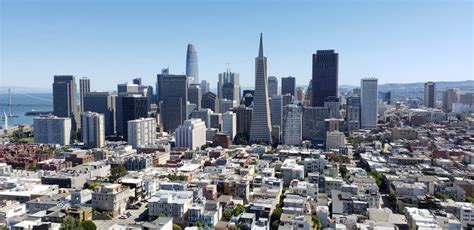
[109, 56]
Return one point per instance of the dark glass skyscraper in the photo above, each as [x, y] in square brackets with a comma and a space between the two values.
[325, 76]
[174, 96]
[64, 99]
[84, 88]
[261, 129]
[209, 101]
[129, 107]
[288, 85]
[104, 103]
[192, 70]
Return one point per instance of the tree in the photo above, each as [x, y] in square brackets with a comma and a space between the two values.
[88, 225]
[118, 172]
[275, 225]
[176, 227]
[343, 170]
[226, 215]
[377, 176]
[241, 139]
[316, 222]
[71, 223]
[239, 209]
[275, 217]
[470, 199]
[199, 224]
[442, 196]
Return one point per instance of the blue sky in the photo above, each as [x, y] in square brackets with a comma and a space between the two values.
[114, 41]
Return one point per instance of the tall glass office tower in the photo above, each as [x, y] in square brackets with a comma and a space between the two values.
[192, 70]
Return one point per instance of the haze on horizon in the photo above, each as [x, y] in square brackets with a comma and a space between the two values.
[112, 42]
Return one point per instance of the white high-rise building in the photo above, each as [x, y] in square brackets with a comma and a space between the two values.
[291, 125]
[191, 134]
[141, 132]
[229, 124]
[368, 103]
[93, 129]
[52, 130]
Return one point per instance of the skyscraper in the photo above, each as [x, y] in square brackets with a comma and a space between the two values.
[353, 114]
[204, 86]
[368, 103]
[450, 96]
[93, 130]
[194, 95]
[228, 86]
[229, 124]
[291, 125]
[261, 129]
[334, 106]
[209, 101]
[192, 70]
[325, 76]
[64, 99]
[84, 88]
[244, 119]
[288, 85]
[276, 108]
[174, 96]
[429, 96]
[272, 86]
[129, 107]
[104, 103]
[314, 125]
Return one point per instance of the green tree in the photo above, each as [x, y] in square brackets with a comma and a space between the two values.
[88, 225]
[377, 176]
[71, 223]
[226, 215]
[343, 170]
[4, 228]
[199, 224]
[118, 172]
[275, 217]
[470, 199]
[176, 227]
[275, 225]
[442, 196]
[316, 222]
[239, 209]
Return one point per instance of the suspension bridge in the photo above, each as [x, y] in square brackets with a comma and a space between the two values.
[10, 99]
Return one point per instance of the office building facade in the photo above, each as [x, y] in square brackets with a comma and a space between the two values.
[191, 134]
[272, 86]
[93, 129]
[288, 85]
[103, 103]
[84, 88]
[325, 76]
[368, 103]
[141, 132]
[292, 125]
[52, 130]
[64, 99]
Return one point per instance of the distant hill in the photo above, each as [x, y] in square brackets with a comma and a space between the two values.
[418, 86]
